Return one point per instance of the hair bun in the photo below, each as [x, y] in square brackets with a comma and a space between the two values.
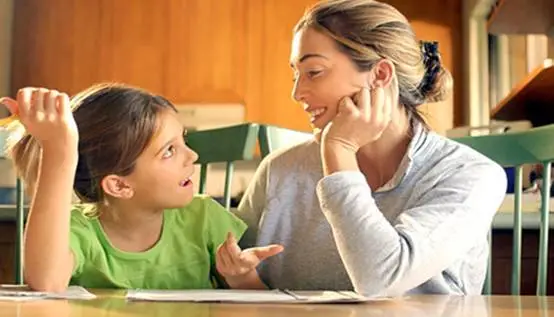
[436, 84]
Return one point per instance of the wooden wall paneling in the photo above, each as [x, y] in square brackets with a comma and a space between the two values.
[190, 51]
[206, 51]
[440, 20]
[255, 66]
[518, 58]
[277, 106]
[210, 51]
[135, 36]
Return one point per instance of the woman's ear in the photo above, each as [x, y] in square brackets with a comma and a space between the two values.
[381, 74]
[117, 187]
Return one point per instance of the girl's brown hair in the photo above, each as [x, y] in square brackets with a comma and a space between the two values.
[115, 122]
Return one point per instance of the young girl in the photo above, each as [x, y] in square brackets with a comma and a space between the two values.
[140, 226]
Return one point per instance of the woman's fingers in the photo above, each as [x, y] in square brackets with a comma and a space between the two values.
[387, 107]
[365, 103]
[347, 106]
[377, 105]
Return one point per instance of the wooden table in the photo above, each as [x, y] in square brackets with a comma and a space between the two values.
[113, 304]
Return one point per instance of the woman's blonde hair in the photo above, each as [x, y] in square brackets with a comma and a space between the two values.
[369, 30]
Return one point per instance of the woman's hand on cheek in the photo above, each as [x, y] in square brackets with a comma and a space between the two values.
[358, 124]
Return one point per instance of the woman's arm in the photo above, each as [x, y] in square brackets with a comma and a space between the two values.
[389, 259]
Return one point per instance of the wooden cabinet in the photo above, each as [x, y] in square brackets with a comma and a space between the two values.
[201, 51]
[521, 17]
[502, 262]
[7, 252]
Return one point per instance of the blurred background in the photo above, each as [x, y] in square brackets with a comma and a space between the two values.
[224, 62]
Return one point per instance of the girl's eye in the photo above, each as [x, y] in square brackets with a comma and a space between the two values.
[169, 152]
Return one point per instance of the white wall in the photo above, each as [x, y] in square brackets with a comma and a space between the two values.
[476, 62]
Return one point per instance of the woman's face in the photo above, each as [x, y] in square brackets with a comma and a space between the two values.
[323, 75]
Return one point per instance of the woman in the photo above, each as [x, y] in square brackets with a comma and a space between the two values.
[379, 203]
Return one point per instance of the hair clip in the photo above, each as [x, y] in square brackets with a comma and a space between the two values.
[429, 48]
[431, 60]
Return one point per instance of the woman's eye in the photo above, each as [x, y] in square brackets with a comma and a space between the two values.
[311, 74]
[314, 73]
[169, 152]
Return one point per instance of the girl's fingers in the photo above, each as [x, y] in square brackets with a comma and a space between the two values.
[222, 260]
[50, 100]
[38, 102]
[64, 105]
[24, 97]
[233, 250]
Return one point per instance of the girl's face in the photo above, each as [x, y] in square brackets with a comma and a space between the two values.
[163, 172]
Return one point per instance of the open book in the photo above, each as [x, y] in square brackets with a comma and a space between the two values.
[248, 296]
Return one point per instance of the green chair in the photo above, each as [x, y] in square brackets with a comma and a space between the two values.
[19, 224]
[223, 145]
[272, 138]
[19, 214]
[514, 149]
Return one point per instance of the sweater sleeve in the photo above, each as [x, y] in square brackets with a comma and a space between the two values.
[390, 258]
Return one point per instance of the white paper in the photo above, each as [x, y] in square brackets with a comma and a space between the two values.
[247, 296]
[22, 293]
